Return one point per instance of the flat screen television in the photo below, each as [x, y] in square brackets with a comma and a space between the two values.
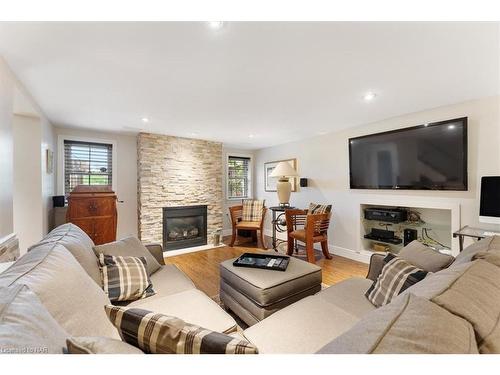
[425, 157]
[489, 208]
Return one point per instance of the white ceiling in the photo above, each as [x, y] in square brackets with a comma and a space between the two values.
[275, 81]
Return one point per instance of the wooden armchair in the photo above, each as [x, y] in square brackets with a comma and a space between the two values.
[236, 213]
[309, 229]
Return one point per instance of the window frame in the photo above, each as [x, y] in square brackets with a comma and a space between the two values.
[250, 175]
[61, 189]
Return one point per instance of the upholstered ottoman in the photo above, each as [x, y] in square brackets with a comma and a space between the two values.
[253, 294]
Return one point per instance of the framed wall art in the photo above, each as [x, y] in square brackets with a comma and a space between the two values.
[270, 182]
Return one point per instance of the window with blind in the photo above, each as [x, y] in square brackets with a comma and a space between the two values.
[87, 163]
[238, 177]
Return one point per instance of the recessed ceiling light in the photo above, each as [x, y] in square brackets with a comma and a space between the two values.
[369, 96]
[216, 25]
[145, 120]
[251, 136]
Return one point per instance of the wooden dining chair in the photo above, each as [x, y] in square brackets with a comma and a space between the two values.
[248, 216]
[308, 228]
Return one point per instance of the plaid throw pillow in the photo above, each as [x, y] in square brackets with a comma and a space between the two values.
[319, 208]
[125, 278]
[252, 210]
[397, 275]
[162, 334]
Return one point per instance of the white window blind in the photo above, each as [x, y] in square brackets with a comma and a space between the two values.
[238, 177]
[87, 163]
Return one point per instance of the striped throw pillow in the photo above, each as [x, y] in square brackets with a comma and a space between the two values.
[162, 334]
[319, 208]
[397, 275]
[252, 210]
[125, 278]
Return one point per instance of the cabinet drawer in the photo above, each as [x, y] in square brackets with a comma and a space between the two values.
[104, 230]
[87, 225]
[92, 207]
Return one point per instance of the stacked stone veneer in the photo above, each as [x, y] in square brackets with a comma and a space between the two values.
[175, 171]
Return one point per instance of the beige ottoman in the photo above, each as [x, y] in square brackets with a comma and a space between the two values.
[253, 294]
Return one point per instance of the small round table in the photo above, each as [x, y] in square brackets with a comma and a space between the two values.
[279, 224]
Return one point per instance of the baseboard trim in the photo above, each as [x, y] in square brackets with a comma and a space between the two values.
[350, 254]
[172, 253]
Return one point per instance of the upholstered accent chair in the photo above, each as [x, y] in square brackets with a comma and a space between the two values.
[308, 227]
[249, 216]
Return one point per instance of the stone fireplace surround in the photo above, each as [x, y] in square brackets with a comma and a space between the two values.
[174, 171]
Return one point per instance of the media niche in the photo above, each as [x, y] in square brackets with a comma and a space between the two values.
[425, 157]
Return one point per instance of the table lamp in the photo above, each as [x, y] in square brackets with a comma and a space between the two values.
[284, 188]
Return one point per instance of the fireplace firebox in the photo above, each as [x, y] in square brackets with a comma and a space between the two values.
[184, 226]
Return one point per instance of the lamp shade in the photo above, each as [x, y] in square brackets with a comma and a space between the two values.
[284, 169]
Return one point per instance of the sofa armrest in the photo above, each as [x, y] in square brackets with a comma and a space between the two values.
[376, 265]
[156, 250]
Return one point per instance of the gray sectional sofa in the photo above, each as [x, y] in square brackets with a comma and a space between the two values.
[62, 271]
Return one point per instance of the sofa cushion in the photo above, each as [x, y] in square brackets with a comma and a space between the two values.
[303, 327]
[125, 278]
[471, 291]
[408, 325]
[475, 296]
[74, 300]
[424, 257]
[170, 280]
[162, 334]
[436, 283]
[130, 247]
[492, 256]
[26, 327]
[349, 295]
[396, 276]
[192, 306]
[79, 244]
[488, 243]
[99, 345]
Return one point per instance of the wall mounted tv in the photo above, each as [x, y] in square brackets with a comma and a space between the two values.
[425, 157]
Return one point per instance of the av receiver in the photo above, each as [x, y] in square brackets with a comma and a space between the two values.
[390, 215]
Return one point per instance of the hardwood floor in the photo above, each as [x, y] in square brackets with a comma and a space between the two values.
[203, 266]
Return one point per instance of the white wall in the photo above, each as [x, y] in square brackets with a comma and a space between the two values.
[325, 161]
[125, 177]
[7, 85]
[15, 100]
[27, 197]
[48, 142]
[226, 220]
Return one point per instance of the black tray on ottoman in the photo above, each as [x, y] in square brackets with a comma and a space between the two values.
[264, 261]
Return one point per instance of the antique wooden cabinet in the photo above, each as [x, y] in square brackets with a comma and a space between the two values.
[93, 209]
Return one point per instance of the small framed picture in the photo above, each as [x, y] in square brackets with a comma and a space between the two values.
[50, 160]
[270, 182]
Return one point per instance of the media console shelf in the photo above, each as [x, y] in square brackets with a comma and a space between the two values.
[434, 228]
